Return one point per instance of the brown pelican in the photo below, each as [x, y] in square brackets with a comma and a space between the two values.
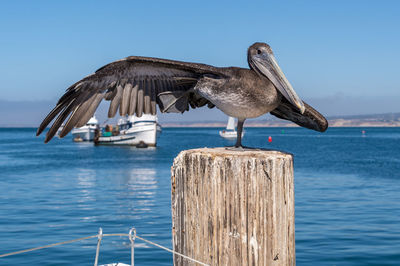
[136, 84]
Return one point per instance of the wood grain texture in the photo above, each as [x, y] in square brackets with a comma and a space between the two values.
[233, 208]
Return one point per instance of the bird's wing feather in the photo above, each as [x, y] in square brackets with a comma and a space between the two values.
[311, 118]
[133, 86]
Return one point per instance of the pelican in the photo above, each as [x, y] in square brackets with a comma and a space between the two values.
[135, 85]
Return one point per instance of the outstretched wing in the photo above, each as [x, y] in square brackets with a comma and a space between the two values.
[311, 118]
[133, 85]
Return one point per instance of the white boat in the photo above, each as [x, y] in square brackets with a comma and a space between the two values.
[230, 131]
[132, 130]
[87, 132]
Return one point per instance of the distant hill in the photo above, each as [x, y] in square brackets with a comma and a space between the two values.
[373, 120]
[374, 117]
[31, 113]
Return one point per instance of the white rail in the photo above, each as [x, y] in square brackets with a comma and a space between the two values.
[132, 236]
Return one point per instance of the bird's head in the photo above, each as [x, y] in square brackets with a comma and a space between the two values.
[261, 59]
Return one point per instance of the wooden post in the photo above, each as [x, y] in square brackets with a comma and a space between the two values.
[233, 207]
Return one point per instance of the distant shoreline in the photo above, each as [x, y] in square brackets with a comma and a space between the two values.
[337, 124]
[282, 123]
[371, 120]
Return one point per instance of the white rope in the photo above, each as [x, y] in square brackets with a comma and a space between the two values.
[99, 236]
[170, 250]
[47, 246]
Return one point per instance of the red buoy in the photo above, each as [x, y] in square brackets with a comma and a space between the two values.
[269, 139]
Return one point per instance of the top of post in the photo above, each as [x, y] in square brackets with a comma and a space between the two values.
[228, 152]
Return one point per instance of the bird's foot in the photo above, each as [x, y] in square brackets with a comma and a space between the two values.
[240, 148]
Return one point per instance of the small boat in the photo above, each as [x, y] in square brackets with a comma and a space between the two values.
[141, 132]
[230, 132]
[59, 130]
[87, 132]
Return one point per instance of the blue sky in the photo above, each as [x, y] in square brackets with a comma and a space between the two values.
[344, 51]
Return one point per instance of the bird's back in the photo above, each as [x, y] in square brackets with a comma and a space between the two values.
[242, 94]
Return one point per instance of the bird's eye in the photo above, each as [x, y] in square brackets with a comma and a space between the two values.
[258, 51]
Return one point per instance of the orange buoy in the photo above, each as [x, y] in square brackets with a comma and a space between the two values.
[269, 139]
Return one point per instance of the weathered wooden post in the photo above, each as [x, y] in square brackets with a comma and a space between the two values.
[233, 207]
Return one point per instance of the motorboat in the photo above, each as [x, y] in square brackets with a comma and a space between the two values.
[87, 132]
[131, 130]
[230, 131]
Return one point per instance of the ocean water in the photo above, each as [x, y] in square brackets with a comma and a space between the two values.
[347, 192]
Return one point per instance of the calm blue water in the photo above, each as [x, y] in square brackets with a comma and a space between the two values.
[347, 191]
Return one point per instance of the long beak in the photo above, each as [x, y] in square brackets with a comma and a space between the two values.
[268, 66]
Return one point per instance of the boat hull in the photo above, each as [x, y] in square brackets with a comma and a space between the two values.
[229, 134]
[83, 134]
[139, 135]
